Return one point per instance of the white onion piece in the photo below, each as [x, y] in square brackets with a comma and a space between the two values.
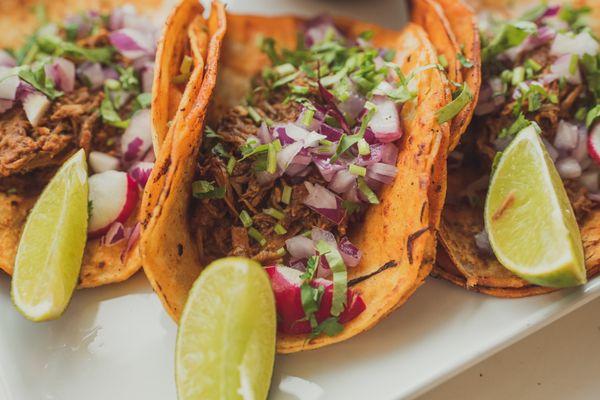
[580, 44]
[101, 162]
[342, 181]
[137, 138]
[590, 180]
[300, 247]
[9, 83]
[561, 68]
[385, 123]
[568, 168]
[35, 106]
[62, 72]
[566, 136]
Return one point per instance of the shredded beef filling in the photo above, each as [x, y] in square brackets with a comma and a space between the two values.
[29, 156]
[218, 228]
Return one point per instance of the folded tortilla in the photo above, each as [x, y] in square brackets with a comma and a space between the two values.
[101, 264]
[460, 261]
[401, 228]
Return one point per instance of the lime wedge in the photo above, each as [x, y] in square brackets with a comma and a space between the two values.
[226, 339]
[51, 248]
[529, 218]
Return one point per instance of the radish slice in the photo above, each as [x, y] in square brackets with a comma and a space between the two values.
[594, 144]
[35, 106]
[286, 283]
[385, 123]
[137, 139]
[102, 162]
[113, 196]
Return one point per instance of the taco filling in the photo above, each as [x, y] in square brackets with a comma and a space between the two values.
[83, 83]
[283, 178]
[542, 69]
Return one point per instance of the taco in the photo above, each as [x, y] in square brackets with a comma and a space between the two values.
[541, 67]
[85, 83]
[322, 159]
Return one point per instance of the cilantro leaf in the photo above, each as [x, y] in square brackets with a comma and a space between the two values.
[206, 190]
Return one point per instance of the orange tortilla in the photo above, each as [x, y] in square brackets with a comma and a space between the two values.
[401, 228]
[101, 265]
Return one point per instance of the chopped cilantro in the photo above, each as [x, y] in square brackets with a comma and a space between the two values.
[109, 114]
[450, 110]
[206, 190]
[519, 124]
[464, 61]
[511, 34]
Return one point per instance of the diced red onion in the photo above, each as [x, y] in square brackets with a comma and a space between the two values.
[349, 252]
[9, 83]
[62, 72]
[318, 28]
[137, 138]
[279, 132]
[342, 181]
[542, 36]
[551, 11]
[594, 197]
[263, 134]
[385, 123]
[35, 106]
[561, 68]
[6, 105]
[300, 247]
[590, 180]
[331, 133]
[6, 60]
[482, 241]
[91, 74]
[140, 172]
[580, 44]
[374, 156]
[318, 234]
[389, 153]
[352, 106]
[324, 202]
[116, 233]
[326, 168]
[580, 152]
[381, 172]
[566, 136]
[568, 168]
[132, 43]
[110, 73]
[552, 152]
[133, 237]
[147, 75]
[101, 162]
[287, 154]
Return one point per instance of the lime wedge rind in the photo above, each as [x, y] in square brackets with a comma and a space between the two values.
[51, 248]
[534, 234]
[226, 339]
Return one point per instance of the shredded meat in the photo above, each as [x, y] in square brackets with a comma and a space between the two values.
[219, 230]
[33, 154]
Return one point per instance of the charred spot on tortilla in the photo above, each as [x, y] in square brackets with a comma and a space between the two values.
[387, 265]
[410, 242]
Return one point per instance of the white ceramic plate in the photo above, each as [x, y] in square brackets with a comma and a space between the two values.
[117, 343]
